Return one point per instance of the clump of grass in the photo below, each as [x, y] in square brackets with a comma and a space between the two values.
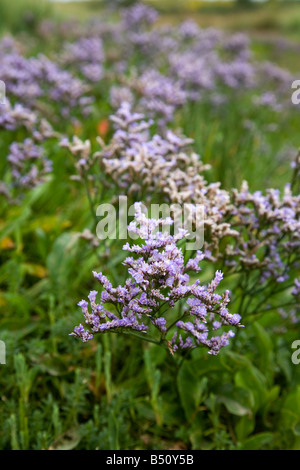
[23, 15]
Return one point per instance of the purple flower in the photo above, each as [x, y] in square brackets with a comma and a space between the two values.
[81, 333]
[139, 15]
[28, 165]
[158, 279]
[296, 289]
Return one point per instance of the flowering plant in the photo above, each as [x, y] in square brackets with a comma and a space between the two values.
[158, 281]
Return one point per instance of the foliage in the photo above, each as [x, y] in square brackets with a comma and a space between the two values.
[23, 15]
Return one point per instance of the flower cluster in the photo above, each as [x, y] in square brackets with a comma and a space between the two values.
[296, 289]
[269, 233]
[158, 95]
[28, 164]
[158, 281]
[87, 56]
[259, 234]
[138, 15]
[176, 66]
[14, 116]
[17, 116]
[35, 79]
[142, 164]
[82, 153]
[134, 158]
[187, 64]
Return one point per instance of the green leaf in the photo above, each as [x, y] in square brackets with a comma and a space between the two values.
[244, 427]
[258, 442]
[283, 359]
[238, 401]
[265, 347]
[191, 389]
[272, 396]
[113, 430]
[61, 261]
[233, 360]
[253, 380]
[290, 412]
[234, 407]
[68, 441]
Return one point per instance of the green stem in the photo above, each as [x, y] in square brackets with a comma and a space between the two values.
[276, 307]
[91, 203]
[144, 338]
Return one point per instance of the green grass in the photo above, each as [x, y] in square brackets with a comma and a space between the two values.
[79, 10]
[21, 15]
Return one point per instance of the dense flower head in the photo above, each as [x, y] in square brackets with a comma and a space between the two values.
[158, 280]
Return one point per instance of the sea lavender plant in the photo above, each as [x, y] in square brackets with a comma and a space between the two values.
[139, 16]
[259, 234]
[266, 249]
[28, 165]
[158, 281]
[35, 79]
[143, 165]
[14, 116]
[134, 158]
[159, 95]
[177, 66]
[85, 55]
[272, 224]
